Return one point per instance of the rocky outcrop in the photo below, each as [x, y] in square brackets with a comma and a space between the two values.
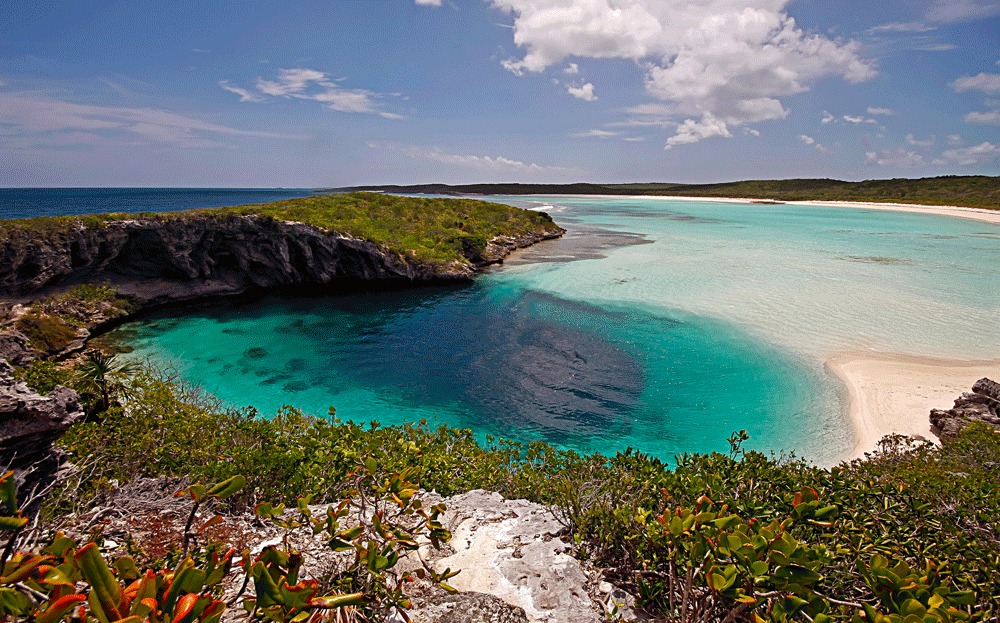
[29, 424]
[158, 260]
[515, 566]
[514, 549]
[981, 405]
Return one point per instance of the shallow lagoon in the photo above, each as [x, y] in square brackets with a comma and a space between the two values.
[661, 325]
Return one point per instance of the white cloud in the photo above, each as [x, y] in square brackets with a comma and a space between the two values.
[714, 63]
[311, 84]
[990, 83]
[899, 158]
[827, 118]
[39, 116]
[912, 140]
[572, 69]
[955, 139]
[485, 163]
[808, 140]
[935, 47]
[634, 139]
[595, 133]
[859, 119]
[585, 92]
[991, 117]
[752, 132]
[691, 131]
[902, 27]
[885, 112]
[245, 96]
[429, 2]
[978, 154]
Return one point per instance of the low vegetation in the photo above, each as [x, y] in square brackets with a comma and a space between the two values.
[431, 230]
[911, 532]
[970, 191]
[910, 535]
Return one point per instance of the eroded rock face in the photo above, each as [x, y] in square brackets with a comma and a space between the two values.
[177, 259]
[981, 405]
[515, 566]
[30, 423]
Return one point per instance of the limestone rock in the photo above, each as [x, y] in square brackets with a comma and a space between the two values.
[980, 405]
[158, 260]
[30, 423]
[514, 549]
[465, 608]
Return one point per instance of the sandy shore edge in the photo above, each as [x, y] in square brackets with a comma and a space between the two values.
[976, 214]
[892, 393]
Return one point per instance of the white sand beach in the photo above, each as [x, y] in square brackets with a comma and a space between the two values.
[976, 214]
[892, 393]
[895, 393]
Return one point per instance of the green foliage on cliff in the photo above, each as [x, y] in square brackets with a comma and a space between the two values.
[437, 230]
[915, 529]
[428, 230]
[971, 191]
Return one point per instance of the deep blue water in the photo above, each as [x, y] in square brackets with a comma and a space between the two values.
[29, 202]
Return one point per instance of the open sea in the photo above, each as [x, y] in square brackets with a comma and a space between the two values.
[655, 324]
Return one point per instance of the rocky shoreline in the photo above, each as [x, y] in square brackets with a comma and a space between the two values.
[155, 261]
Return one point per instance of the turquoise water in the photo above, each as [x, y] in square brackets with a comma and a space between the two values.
[660, 325]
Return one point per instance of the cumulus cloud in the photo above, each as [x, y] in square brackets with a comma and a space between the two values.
[899, 158]
[429, 2]
[691, 131]
[572, 69]
[311, 84]
[42, 117]
[716, 64]
[857, 119]
[885, 112]
[991, 117]
[955, 139]
[990, 83]
[585, 92]
[827, 118]
[977, 154]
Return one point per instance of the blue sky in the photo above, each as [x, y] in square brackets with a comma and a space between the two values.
[343, 92]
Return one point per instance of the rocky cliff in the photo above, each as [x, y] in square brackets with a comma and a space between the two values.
[159, 260]
[29, 424]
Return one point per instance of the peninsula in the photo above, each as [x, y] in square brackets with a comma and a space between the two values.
[964, 191]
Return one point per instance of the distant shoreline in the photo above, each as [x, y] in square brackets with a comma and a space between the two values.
[976, 214]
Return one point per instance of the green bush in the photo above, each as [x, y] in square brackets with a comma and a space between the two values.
[932, 514]
[48, 334]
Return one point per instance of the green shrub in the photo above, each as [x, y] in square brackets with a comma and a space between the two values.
[44, 376]
[49, 334]
[911, 504]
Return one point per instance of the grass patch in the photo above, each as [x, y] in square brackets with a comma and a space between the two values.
[49, 334]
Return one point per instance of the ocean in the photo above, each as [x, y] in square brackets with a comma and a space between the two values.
[656, 324]
[29, 202]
